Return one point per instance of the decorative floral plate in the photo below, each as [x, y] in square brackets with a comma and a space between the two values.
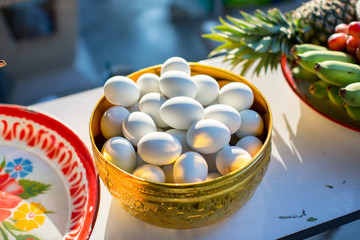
[49, 188]
[323, 107]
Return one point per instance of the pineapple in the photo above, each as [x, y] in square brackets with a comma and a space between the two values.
[262, 38]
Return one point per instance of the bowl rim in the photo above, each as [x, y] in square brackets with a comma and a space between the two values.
[291, 82]
[230, 175]
[58, 126]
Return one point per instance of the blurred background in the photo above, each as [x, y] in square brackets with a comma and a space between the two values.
[58, 47]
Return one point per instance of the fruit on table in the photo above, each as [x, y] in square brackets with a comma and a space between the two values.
[352, 44]
[354, 29]
[267, 36]
[318, 89]
[337, 73]
[308, 59]
[302, 74]
[305, 47]
[333, 95]
[341, 28]
[337, 41]
[353, 112]
[351, 94]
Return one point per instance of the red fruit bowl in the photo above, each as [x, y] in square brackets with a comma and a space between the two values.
[321, 106]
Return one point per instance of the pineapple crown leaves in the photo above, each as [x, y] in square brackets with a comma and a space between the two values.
[255, 39]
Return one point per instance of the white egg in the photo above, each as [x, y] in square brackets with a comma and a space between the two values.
[168, 170]
[159, 148]
[190, 167]
[208, 89]
[251, 144]
[136, 125]
[148, 82]
[134, 107]
[150, 173]
[252, 124]
[210, 160]
[120, 152]
[236, 94]
[181, 112]
[181, 136]
[176, 63]
[139, 160]
[212, 176]
[111, 121]
[150, 104]
[225, 114]
[232, 158]
[176, 83]
[122, 91]
[208, 136]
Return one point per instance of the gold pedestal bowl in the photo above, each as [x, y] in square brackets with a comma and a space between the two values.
[183, 206]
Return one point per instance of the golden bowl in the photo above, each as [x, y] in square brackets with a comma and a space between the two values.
[182, 206]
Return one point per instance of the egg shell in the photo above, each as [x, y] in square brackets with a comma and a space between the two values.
[159, 148]
[120, 90]
[111, 121]
[181, 112]
[134, 107]
[190, 167]
[181, 136]
[208, 89]
[232, 158]
[176, 83]
[120, 152]
[210, 160]
[139, 160]
[225, 114]
[252, 124]
[150, 104]
[212, 176]
[136, 125]
[168, 170]
[251, 144]
[176, 63]
[150, 173]
[148, 83]
[236, 94]
[207, 136]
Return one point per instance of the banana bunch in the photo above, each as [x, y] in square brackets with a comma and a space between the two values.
[335, 76]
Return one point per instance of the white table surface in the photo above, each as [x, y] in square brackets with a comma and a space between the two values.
[309, 154]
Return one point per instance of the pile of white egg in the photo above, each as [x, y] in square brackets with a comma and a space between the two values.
[176, 128]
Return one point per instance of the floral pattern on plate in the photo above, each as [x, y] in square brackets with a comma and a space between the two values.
[48, 183]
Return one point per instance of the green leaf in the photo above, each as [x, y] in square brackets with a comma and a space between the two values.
[311, 219]
[26, 237]
[329, 186]
[4, 234]
[10, 226]
[3, 163]
[32, 188]
[264, 45]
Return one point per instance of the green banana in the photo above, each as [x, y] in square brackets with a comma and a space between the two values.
[351, 94]
[338, 73]
[353, 112]
[318, 89]
[301, 73]
[333, 95]
[305, 47]
[308, 59]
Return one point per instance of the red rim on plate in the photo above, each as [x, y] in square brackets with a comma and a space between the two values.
[317, 107]
[65, 150]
